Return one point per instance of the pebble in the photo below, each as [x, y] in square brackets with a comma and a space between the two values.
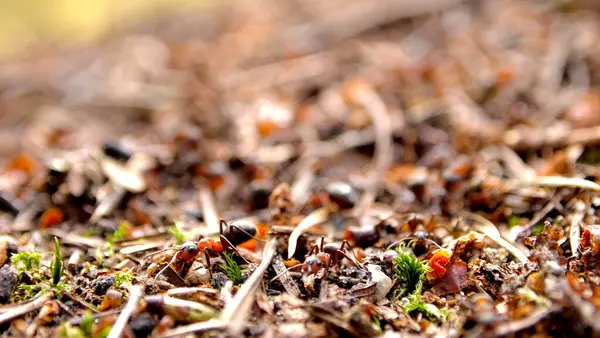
[383, 283]
[7, 246]
[143, 325]
[293, 330]
[8, 278]
[219, 279]
[101, 285]
[197, 274]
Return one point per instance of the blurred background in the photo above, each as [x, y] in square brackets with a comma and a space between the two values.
[76, 23]
[519, 72]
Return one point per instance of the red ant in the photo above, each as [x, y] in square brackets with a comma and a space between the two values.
[229, 237]
[325, 255]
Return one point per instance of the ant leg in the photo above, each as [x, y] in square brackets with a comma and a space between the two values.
[209, 267]
[227, 244]
[356, 263]
[322, 242]
[313, 250]
[349, 248]
[221, 222]
[245, 232]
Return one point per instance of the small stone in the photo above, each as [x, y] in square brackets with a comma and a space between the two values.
[219, 279]
[383, 283]
[125, 264]
[101, 285]
[7, 246]
[8, 278]
[293, 330]
[112, 300]
[142, 326]
[197, 274]
[116, 151]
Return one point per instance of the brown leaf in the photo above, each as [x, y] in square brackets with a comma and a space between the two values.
[456, 275]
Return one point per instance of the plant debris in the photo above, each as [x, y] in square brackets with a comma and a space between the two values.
[339, 170]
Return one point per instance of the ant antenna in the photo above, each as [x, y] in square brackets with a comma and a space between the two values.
[284, 272]
[165, 268]
[159, 251]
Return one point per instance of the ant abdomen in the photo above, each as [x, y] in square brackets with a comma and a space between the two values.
[332, 248]
[239, 232]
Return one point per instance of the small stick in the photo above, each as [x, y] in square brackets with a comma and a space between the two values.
[137, 292]
[207, 203]
[65, 308]
[76, 321]
[382, 124]
[239, 306]
[305, 175]
[76, 299]
[575, 228]
[107, 205]
[213, 324]
[536, 218]
[284, 275]
[24, 308]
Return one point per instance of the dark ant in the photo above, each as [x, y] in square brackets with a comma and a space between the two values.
[325, 255]
[230, 236]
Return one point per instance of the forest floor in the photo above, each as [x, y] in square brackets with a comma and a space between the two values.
[300, 169]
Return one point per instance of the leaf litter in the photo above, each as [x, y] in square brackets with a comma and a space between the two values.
[398, 169]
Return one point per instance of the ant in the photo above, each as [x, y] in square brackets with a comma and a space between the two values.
[325, 255]
[230, 235]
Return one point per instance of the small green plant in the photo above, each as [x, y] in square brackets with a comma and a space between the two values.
[56, 266]
[40, 283]
[513, 220]
[69, 331]
[99, 253]
[180, 235]
[410, 273]
[26, 261]
[416, 304]
[87, 323]
[123, 277]
[31, 291]
[232, 269]
[105, 332]
[120, 233]
[377, 323]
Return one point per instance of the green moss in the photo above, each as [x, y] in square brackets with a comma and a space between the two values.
[232, 269]
[26, 261]
[430, 311]
[123, 277]
[409, 272]
[87, 323]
